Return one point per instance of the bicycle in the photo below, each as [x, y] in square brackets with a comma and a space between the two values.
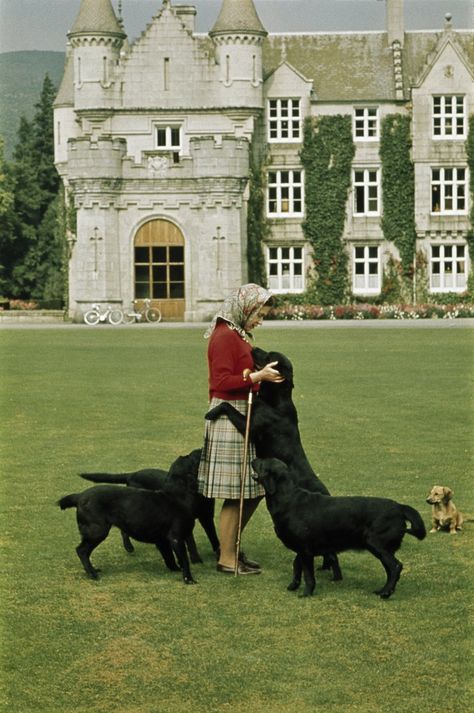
[145, 314]
[112, 315]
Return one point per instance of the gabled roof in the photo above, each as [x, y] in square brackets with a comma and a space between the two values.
[465, 54]
[96, 17]
[238, 16]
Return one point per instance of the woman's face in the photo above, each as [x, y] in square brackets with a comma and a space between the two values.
[257, 319]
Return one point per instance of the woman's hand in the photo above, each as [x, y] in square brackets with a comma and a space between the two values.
[268, 373]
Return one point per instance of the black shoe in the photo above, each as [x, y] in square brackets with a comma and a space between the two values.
[242, 569]
[243, 559]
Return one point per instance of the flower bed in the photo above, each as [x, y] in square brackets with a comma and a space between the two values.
[301, 312]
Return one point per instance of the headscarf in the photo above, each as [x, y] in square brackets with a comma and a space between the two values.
[239, 307]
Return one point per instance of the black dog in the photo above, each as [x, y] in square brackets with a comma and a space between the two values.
[164, 518]
[312, 524]
[274, 430]
[155, 479]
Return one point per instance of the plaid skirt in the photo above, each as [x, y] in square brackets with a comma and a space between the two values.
[220, 469]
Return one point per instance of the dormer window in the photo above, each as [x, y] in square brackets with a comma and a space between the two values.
[284, 120]
[366, 123]
[449, 117]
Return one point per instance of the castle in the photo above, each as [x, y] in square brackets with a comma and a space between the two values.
[153, 142]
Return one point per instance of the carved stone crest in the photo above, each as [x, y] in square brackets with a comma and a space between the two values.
[157, 166]
[449, 71]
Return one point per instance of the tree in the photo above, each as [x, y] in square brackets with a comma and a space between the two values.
[7, 200]
[38, 249]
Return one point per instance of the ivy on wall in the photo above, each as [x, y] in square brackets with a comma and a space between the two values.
[327, 154]
[470, 163]
[398, 187]
[257, 224]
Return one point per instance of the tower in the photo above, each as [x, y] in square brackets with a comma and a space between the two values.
[96, 38]
[238, 35]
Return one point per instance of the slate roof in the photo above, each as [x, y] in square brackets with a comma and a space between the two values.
[96, 17]
[350, 66]
[65, 95]
[238, 16]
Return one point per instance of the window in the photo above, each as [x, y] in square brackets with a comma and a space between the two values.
[366, 124]
[168, 138]
[366, 191]
[448, 190]
[284, 120]
[285, 193]
[285, 269]
[159, 272]
[366, 269]
[449, 117]
[448, 268]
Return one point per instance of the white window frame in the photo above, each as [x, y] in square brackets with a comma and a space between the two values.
[366, 123]
[283, 119]
[367, 282]
[450, 185]
[287, 264]
[368, 184]
[446, 118]
[452, 262]
[284, 193]
[169, 144]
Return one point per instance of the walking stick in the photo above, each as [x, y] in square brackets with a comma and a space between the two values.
[242, 482]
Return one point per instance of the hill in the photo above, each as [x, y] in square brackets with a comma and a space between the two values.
[21, 79]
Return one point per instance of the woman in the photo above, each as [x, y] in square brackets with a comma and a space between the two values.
[231, 374]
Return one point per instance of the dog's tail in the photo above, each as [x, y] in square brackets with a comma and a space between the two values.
[115, 478]
[417, 528]
[68, 501]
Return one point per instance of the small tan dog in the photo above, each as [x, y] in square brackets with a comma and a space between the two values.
[445, 515]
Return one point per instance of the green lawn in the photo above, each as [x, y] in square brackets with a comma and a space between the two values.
[382, 412]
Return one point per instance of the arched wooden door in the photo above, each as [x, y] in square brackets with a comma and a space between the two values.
[159, 267]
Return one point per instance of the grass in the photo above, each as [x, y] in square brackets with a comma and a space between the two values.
[382, 411]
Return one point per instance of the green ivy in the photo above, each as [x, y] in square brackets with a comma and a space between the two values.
[470, 163]
[327, 154]
[257, 224]
[398, 187]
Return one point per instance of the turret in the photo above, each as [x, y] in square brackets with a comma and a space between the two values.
[96, 39]
[238, 35]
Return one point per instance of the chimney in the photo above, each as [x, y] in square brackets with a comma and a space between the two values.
[395, 21]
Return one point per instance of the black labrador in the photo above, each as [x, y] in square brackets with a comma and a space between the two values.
[312, 524]
[164, 518]
[155, 479]
[274, 430]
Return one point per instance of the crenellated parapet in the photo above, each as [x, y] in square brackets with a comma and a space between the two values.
[100, 158]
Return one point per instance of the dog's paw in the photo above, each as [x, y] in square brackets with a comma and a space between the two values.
[190, 580]
[213, 414]
[293, 585]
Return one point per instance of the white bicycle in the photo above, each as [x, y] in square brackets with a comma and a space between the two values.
[146, 314]
[112, 315]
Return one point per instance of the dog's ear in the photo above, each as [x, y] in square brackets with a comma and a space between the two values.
[448, 494]
[269, 483]
[260, 356]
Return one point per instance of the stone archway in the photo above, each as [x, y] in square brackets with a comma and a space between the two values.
[159, 267]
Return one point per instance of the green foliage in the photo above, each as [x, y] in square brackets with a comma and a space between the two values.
[32, 240]
[327, 156]
[398, 187]
[257, 224]
[470, 163]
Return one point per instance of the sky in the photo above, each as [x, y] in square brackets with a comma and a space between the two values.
[43, 24]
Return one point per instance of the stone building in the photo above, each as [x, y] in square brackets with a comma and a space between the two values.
[153, 140]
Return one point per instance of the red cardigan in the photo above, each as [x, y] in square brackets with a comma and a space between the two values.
[228, 355]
